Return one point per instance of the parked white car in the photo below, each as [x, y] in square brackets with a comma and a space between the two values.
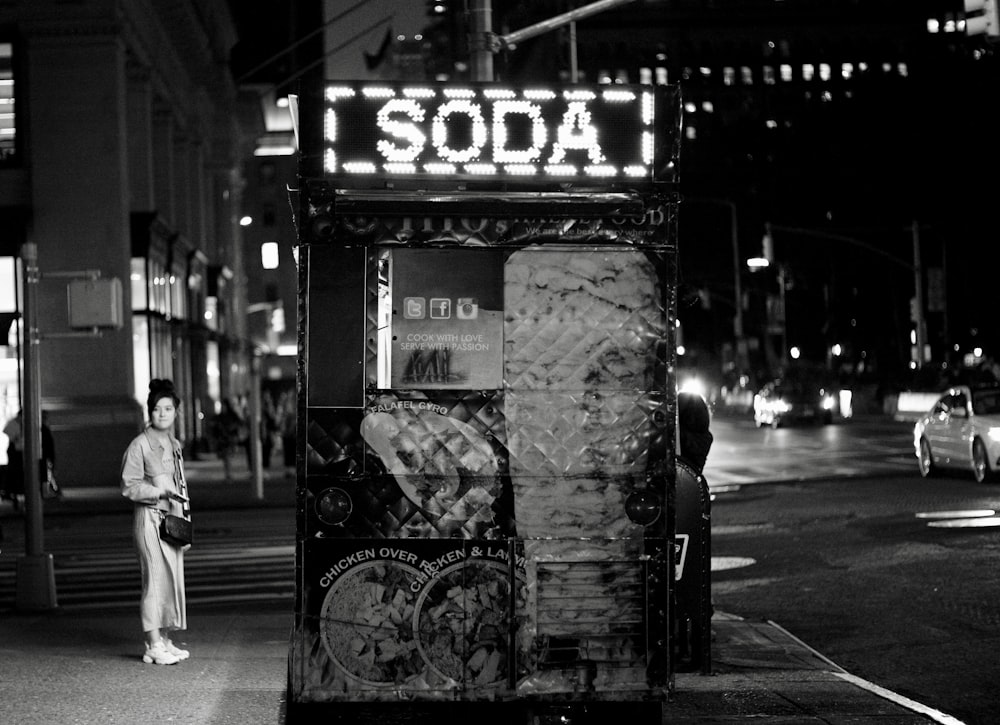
[961, 431]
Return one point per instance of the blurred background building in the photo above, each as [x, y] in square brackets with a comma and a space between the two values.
[843, 141]
[122, 155]
[850, 143]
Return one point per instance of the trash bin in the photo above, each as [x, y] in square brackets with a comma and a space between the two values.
[693, 590]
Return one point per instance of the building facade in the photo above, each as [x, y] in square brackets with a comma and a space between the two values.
[120, 154]
[841, 127]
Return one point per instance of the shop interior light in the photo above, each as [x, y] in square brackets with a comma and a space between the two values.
[269, 255]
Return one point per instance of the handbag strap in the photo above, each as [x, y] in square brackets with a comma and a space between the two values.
[181, 482]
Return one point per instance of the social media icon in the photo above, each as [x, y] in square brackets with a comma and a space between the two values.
[466, 308]
[413, 308]
[440, 308]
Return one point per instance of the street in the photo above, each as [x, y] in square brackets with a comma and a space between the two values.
[890, 576]
[742, 454]
[237, 559]
[851, 552]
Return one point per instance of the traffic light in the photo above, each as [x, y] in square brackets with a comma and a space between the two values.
[982, 17]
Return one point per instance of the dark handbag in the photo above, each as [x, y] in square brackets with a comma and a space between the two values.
[176, 530]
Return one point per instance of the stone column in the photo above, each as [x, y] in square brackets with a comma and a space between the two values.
[80, 191]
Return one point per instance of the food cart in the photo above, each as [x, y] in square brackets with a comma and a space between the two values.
[486, 394]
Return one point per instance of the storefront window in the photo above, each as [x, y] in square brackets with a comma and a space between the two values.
[8, 125]
[160, 299]
[138, 279]
[178, 301]
[152, 344]
[10, 401]
[211, 313]
[214, 373]
[196, 283]
[140, 355]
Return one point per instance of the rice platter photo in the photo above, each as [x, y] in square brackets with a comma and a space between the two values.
[463, 620]
[367, 623]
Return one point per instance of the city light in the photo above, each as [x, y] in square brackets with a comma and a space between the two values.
[269, 255]
[246, 220]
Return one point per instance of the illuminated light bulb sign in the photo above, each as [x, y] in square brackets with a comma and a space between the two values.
[591, 134]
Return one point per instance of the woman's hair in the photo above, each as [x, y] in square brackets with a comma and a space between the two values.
[160, 388]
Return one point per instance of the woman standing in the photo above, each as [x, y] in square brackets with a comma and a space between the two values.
[153, 478]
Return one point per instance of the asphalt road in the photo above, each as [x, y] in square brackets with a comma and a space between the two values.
[890, 576]
[742, 454]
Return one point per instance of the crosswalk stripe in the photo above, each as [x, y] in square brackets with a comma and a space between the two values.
[109, 577]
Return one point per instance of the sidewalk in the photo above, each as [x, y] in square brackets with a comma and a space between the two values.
[209, 490]
[77, 667]
[65, 668]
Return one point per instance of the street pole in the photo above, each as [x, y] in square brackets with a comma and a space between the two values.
[784, 315]
[481, 30]
[574, 66]
[36, 583]
[483, 42]
[256, 456]
[741, 343]
[918, 294]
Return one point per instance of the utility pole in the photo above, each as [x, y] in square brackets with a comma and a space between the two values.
[36, 582]
[918, 286]
[256, 427]
[484, 43]
[480, 40]
[739, 341]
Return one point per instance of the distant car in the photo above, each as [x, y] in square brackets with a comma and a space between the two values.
[797, 398]
[961, 431]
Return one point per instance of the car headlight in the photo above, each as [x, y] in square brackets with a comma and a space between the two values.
[782, 406]
[993, 434]
[694, 385]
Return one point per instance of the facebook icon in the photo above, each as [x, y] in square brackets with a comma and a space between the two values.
[440, 308]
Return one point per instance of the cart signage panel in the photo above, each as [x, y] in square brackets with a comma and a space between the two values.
[598, 134]
[449, 330]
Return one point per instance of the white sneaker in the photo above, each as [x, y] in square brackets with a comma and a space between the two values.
[180, 654]
[159, 654]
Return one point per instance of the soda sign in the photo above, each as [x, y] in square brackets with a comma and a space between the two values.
[593, 133]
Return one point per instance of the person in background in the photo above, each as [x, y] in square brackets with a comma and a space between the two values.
[694, 419]
[227, 429]
[268, 428]
[3, 474]
[286, 425]
[152, 478]
[13, 475]
[47, 472]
